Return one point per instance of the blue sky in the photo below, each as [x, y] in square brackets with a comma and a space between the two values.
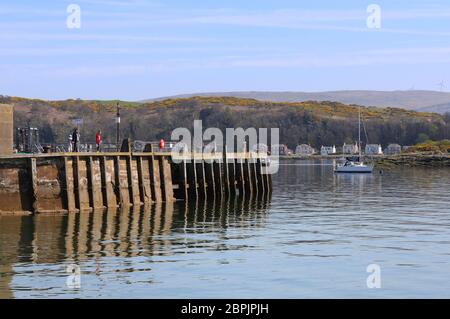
[140, 49]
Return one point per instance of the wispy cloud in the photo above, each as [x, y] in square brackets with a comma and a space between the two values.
[136, 17]
[388, 56]
[99, 71]
[122, 51]
[70, 36]
[138, 39]
[348, 59]
[326, 20]
[122, 3]
[65, 71]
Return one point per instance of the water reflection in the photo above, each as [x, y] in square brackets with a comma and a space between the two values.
[162, 229]
[357, 183]
[315, 240]
[10, 232]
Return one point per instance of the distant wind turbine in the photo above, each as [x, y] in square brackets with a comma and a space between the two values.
[441, 85]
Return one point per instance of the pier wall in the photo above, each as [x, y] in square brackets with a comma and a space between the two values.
[89, 181]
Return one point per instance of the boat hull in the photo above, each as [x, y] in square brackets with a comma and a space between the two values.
[354, 169]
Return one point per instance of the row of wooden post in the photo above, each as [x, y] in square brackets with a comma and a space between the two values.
[94, 181]
[228, 176]
[99, 181]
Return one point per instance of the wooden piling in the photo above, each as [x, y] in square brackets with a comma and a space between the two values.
[259, 177]
[109, 182]
[95, 183]
[166, 180]
[133, 181]
[253, 176]
[144, 180]
[201, 179]
[218, 178]
[269, 182]
[210, 181]
[184, 184]
[69, 184]
[81, 184]
[226, 173]
[248, 187]
[266, 177]
[34, 184]
[123, 189]
[192, 178]
[240, 183]
[232, 175]
[155, 179]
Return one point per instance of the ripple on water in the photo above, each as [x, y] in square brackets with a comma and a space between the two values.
[314, 237]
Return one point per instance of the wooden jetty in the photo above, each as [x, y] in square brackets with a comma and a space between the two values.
[61, 182]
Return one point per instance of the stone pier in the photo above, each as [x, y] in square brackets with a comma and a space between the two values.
[89, 181]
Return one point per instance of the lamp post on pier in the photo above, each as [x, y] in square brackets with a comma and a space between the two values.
[118, 127]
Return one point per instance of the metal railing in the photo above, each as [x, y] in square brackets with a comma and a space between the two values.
[141, 146]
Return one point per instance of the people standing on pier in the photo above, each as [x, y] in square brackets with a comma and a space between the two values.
[70, 147]
[98, 140]
[75, 140]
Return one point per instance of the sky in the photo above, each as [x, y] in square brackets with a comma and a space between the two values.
[140, 49]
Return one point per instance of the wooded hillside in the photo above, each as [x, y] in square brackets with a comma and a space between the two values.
[315, 123]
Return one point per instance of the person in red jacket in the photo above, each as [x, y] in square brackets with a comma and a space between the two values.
[98, 140]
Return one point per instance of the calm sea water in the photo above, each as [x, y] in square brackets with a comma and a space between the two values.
[314, 237]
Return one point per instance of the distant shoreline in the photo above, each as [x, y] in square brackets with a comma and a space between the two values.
[423, 160]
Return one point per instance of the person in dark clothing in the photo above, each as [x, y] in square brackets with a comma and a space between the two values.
[75, 140]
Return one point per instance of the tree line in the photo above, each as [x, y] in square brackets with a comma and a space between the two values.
[314, 123]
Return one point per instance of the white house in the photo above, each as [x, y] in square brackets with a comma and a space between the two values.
[327, 150]
[393, 149]
[260, 148]
[373, 149]
[280, 149]
[304, 149]
[350, 148]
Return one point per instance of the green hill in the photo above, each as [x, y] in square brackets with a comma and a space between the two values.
[417, 100]
[316, 123]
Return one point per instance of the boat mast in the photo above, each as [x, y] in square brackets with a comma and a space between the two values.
[359, 131]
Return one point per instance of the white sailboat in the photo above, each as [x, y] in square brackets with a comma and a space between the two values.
[355, 165]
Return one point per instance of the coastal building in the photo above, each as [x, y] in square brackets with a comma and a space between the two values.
[373, 149]
[280, 149]
[393, 149]
[304, 149]
[260, 148]
[350, 148]
[327, 150]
